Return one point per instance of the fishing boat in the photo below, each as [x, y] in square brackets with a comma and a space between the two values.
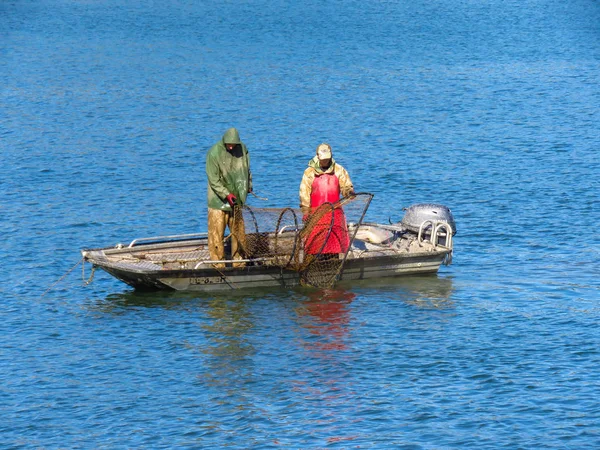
[420, 243]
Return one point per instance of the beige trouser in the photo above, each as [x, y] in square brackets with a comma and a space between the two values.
[217, 221]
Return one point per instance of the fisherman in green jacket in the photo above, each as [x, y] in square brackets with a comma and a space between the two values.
[229, 182]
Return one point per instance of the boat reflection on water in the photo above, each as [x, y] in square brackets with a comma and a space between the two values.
[143, 299]
[422, 291]
[328, 305]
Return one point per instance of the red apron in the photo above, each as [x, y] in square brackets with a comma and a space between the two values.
[326, 188]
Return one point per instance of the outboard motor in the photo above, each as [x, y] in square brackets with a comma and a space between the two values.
[430, 222]
[416, 215]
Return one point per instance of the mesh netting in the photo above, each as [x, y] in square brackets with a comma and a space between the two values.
[314, 244]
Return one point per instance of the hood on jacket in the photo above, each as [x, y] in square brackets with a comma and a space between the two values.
[315, 164]
[232, 136]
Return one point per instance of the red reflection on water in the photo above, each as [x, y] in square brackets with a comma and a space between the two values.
[330, 309]
[341, 438]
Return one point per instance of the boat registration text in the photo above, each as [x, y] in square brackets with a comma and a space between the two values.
[208, 280]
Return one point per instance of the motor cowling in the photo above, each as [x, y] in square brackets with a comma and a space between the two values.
[416, 214]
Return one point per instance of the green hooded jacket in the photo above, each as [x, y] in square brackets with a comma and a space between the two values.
[228, 172]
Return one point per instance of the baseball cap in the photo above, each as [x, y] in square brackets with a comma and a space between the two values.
[324, 151]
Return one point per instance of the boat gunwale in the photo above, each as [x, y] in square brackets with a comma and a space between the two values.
[373, 260]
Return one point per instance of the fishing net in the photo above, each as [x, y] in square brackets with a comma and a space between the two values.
[313, 244]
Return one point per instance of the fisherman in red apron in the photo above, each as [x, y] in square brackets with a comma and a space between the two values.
[325, 181]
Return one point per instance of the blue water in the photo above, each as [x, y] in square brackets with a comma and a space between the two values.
[491, 107]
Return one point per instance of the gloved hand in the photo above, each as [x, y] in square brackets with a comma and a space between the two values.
[232, 200]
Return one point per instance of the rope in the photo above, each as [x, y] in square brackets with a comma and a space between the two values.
[260, 198]
[61, 278]
[91, 278]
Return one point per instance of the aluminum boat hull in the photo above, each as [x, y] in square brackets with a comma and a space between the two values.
[361, 265]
